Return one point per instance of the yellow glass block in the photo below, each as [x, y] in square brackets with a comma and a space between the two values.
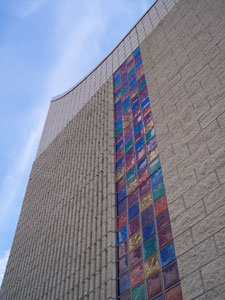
[127, 121]
[145, 202]
[131, 186]
[148, 127]
[117, 99]
[119, 173]
[152, 155]
[152, 266]
[134, 93]
[134, 241]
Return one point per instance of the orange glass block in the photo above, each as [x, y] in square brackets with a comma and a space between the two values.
[120, 173]
[148, 127]
[134, 241]
[137, 275]
[131, 186]
[152, 266]
[145, 202]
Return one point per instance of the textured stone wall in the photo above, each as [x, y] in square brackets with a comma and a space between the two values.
[184, 60]
[64, 246]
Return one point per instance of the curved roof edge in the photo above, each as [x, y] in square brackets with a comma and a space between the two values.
[57, 97]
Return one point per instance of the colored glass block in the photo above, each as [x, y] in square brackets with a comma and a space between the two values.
[137, 120]
[125, 94]
[145, 202]
[138, 127]
[158, 191]
[131, 72]
[120, 184]
[135, 105]
[128, 128]
[123, 284]
[150, 146]
[137, 275]
[141, 85]
[139, 135]
[118, 137]
[124, 91]
[118, 123]
[165, 236]
[147, 215]
[152, 155]
[121, 207]
[142, 164]
[127, 118]
[120, 163]
[128, 145]
[119, 154]
[125, 297]
[129, 154]
[130, 163]
[148, 231]
[139, 293]
[134, 241]
[143, 93]
[160, 297]
[163, 220]
[154, 285]
[117, 93]
[156, 178]
[131, 174]
[141, 154]
[154, 166]
[122, 234]
[150, 247]
[142, 176]
[118, 105]
[121, 195]
[150, 135]
[123, 266]
[135, 257]
[170, 275]
[144, 188]
[118, 130]
[167, 255]
[122, 220]
[128, 136]
[131, 186]
[133, 211]
[133, 81]
[133, 198]
[175, 293]
[145, 112]
[118, 114]
[152, 265]
[139, 145]
[122, 249]
[134, 225]
[160, 205]
[119, 145]
[147, 118]
[126, 105]
[145, 103]
[136, 112]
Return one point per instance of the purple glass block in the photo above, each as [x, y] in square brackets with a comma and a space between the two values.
[135, 105]
[128, 137]
[120, 184]
[133, 198]
[119, 145]
[139, 145]
[128, 129]
[147, 215]
[122, 249]
[165, 236]
[150, 146]
[136, 112]
[160, 297]
[144, 188]
[121, 207]
[134, 225]
[133, 211]
[134, 99]
[133, 88]
[135, 257]
[118, 114]
[146, 110]
[170, 275]
[141, 154]
[142, 164]
[143, 94]
[118, 104]
[156, 177]
[118, 137]
[120, 163]
[148, 231]
[145, 103]
[147, 118]
[123, 284]
[138, 136]
[123, 265]
[129, 154]
[167, 255]
[119, 154]
[163, 220]
[137, 120]
[121, 195]
[154, 285]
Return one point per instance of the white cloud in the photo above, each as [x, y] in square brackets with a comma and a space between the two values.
[23, 8]
[3, 263]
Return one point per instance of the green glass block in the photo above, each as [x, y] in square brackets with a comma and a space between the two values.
[126, 107]
[139, 293]
[154, 166]
[131, 72]
[129, 145]
[118, 130]
[150, 247]
[158, 191]
[124, 90]
[150, 135]
[141, 85]
[131, 174]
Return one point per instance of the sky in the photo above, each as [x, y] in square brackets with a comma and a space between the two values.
[46, 47]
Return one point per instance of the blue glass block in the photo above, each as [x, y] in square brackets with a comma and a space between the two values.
[148, 231]
[139, 145]
[154, 166]
[122, 235]
[126, 104]
[133, 211]
[120, 163]
[167, 255]
[160, 297]
[150, 135]
[138, 64]
[145, 103]
[132, 71]
[132, 82]
[136, 51]
[117, 80]
[135, 106]
[118, 104]
[117, 93]
[156, 177]
[118, 123]
[119, 145]
[121, 195]
[137, 128]
[118, 130]
[123, 284]
[142, 164]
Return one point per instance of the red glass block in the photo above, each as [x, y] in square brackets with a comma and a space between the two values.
[134, 225]
[147, 118]
[130, 163]
[146, 110]
[129, 154]
[133, 198]
[122, 220]
[160, 205]
[141, 154]
[137, 275]
[136, 112]
[175, 293]
[128, 128]
[122, 249]
[119, 154]
[144, 188]
[163, 220]
[165, 236]
[143, 176]
[120, 183]
[135, 257]
[154, 285]
[125, 297]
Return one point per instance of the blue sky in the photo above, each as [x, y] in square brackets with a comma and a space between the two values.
[46, 47]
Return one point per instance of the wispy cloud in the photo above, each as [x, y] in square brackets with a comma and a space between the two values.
[3, 263]
[23, 8]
